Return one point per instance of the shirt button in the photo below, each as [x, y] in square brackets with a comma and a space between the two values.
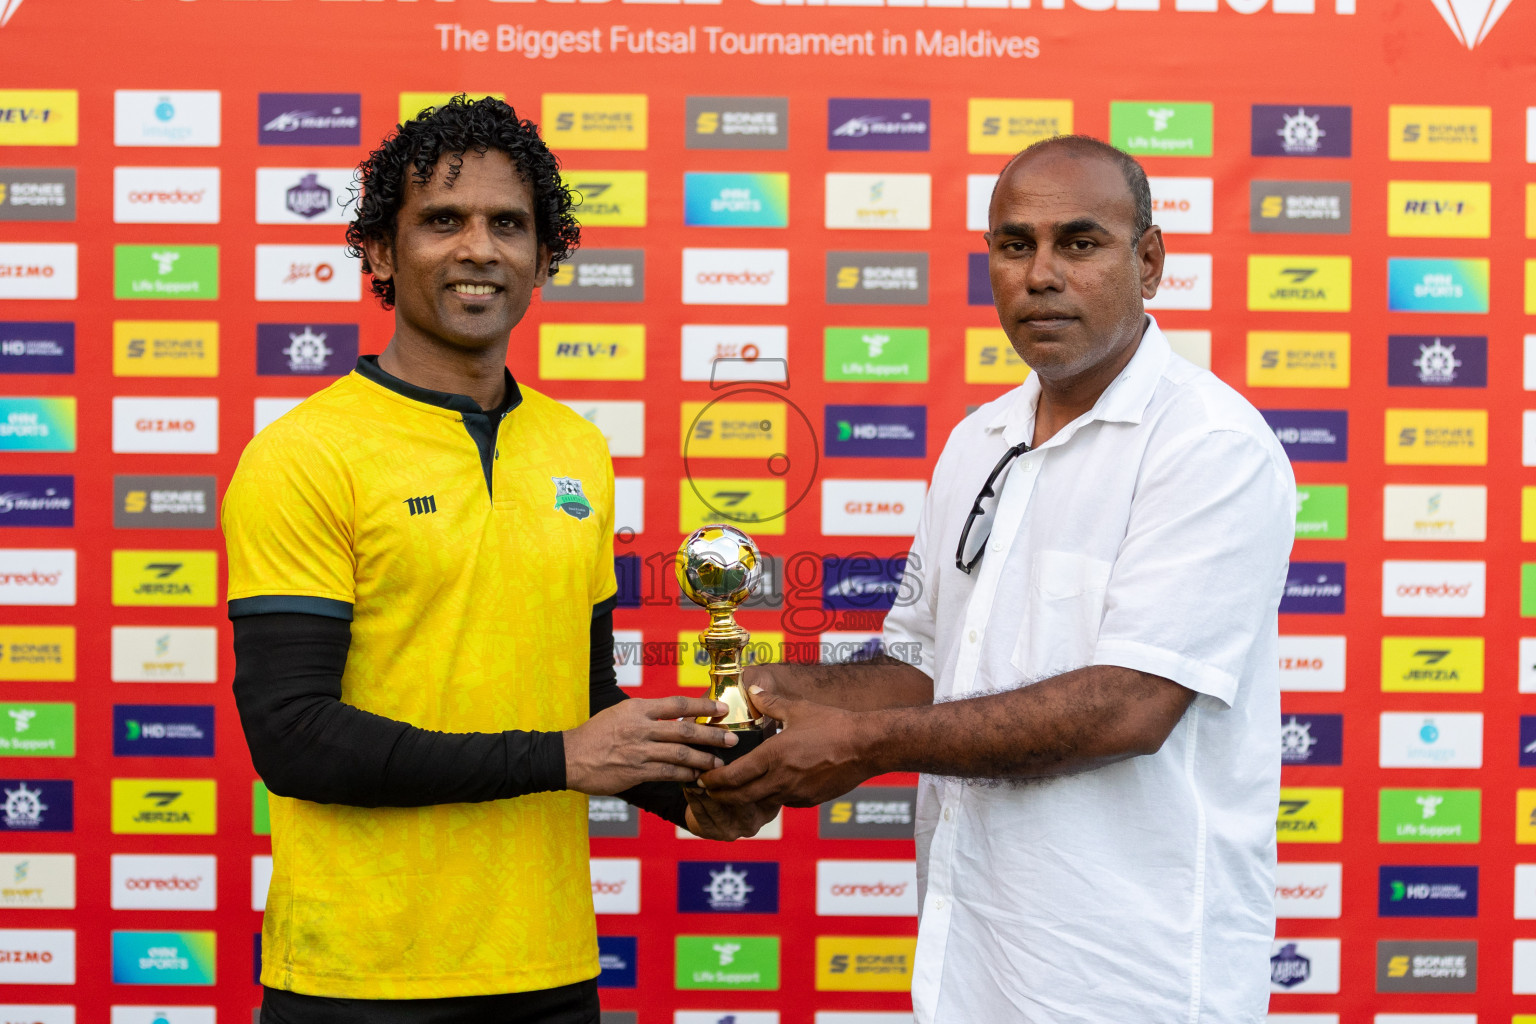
[971, 636]
[949, 813]
[938, 904]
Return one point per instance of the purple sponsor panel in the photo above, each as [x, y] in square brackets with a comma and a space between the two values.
[978, 281]
[1311, 435]
[1312, 739]
[309, 118]
[37, 346]
[861, 582]
[885, 431]
[37, 805]
[1313, 588]
[305, 350]
[37, 501]
[1282, 129]
[1437, 361]
[877, 124]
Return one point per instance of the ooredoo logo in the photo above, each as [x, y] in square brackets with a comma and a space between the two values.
[616, 885]
[165, 882]
[1186, 282]
[37, 576]
[1442, 589]
[866, 888]
[165, 195]
[736, 277]
[1305, 890]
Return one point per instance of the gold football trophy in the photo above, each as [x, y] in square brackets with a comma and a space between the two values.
[718, 567]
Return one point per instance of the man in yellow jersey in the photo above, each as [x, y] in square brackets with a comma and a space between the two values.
[422, 589]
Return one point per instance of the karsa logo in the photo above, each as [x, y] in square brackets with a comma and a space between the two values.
[1317, 284]
[877, 124]
[163, 958]
[592, 351]
[305, 349]
[37, 805]
[1426, 966]
[173, 578]
[594, 120]
[726, 429]
[1311, 435]
[1311, 664]
[1458, 513]
[171, 425]
[37, 501]
[1298, 359]
[164, 882]
[165, 272]
[758, 200]
[1437, 285]
[37, 576]
[1006, 126]
[862, 582]
[1183, 206]
[1441, 134]
[1310, 814]
[1161, 129]
[37, 654]
[866, 888]
[45, 729]
[37, 193]
[36, 881]
[165, 195]
[304, 195]
[864, 963]
[1308, 890]
[37, 956]
[37, 347]
[1314, 588]
[871, 508]
[883, 202]
[165, 348]
[1186, 282]
[37, 117]
[1437, 361]
[608, 198]
[308, 118]
[307, 273]
[164, 807]
[727, 887]
[736, 277]
[875, 354]
[877, 278]
[1306, 130]
[1304, 965]
[39, 270]
[727, 352]
[616, 885]
[1299, 207]
[1432, 664]
[1439, 209]
[883, 431]
[599, 275]
[1416, 891]
[149, 117]
[737, 122]
[1430, 816]
[162, 730]
[1437, 437]
[990, 358]
[1312, 739]
[169, 654]
[1435, 589]
[869, 812]
[1446, 740]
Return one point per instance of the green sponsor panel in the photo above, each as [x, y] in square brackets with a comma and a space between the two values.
[261, 812]
[1430, 816]
[1527, 590]
[37, 729]
[1161, 129]
[876, 354]
[745, 962]
[165, 271]
[1322, 513]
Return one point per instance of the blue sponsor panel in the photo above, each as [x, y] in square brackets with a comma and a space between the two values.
[1437, 285]
[305, 350]
[861, 582]
[1528, 741]
[978, 282]
[1311, 435]
[881, 431]
[37, 501]
[627, 568]
[37, 346]
[1437, 361]
[256, 957]
[1313, 588]
[1311, 739]
[616, 961]
[1283, 129]
[162, 730]
[727, 887]
[878, 124]
[1440, 890]
[37, 805]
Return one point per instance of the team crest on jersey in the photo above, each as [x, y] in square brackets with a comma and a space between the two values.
[569, 499]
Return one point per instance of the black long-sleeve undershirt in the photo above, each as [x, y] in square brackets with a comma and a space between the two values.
[306, 743]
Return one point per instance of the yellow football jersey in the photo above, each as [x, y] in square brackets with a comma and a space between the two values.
[469, 569]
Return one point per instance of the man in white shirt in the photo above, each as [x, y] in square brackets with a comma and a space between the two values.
[1092, 691]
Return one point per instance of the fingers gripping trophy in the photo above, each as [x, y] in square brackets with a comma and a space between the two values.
[718, 567]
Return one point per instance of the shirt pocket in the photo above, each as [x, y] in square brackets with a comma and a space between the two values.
[1062, 613]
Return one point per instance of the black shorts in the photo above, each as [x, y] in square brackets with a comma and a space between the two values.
[569, 1004]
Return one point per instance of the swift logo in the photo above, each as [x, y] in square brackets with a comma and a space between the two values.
[1469, 20]
[421, 506]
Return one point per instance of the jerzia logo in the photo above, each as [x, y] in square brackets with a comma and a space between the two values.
[421, 506]
[1469, 20]
[569, 499]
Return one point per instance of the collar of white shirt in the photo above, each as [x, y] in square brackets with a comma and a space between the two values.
[1123, 401]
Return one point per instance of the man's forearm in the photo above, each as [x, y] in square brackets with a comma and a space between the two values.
[880, 683]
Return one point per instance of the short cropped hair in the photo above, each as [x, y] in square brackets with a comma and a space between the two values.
[447, 132]
[1135, 176]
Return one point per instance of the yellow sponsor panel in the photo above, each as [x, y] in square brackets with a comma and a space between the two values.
[1530, 211]
[592, 351]
[413, 104]
[574, 120]
[990, 358]
[39, 117]
[40, 654]
[727, 430]
[1310, 814]
[1530, 287]
[185, 807]
[1528, 514]
[609, 199]
[1007, 126]
[1525, 816]
[693, 660]
[1298, 359]
[165, 348]
[864, 963]
[1439, 209]
[755, 505]
[1432, 664]
[173, 578]
[1437, 437]
[1311, 284]
[1441, 134]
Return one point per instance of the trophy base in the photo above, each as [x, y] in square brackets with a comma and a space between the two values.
[747, 740]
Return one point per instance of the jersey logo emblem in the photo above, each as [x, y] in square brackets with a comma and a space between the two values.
[421, 506]
[569, 499]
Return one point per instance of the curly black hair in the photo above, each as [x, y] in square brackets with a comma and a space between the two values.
[448, 132]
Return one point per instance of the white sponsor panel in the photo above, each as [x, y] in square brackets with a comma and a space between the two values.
[1434, 513]
[871, 508]
[628, 650]
[1525, 967]
[261, 880]
[303, 195]
[42, 881]
[727, 352]
[1530, 362]
[164, 882]
[735, 277]
[1528, 664]
[1528, 438]
[1302, 1018]
[616, 885]
[307, 273]
[1183, 206]
[1530, 135]
[891, 202]
[165, 117]
[1425, 1018]
[855, 1017]
[269, 410]
[36, 1013]
[1454, 590]
[1437, 739]
[622, 424]
[1525, 892]
[866, 888]
[39, 270]
[1308, 890]
[187, 426]
[165, 654]
[163, 1015]
[1322, 970]
[773, 830]
[165, 195]
[37, 576]
[728, 1016]
[1192, 345]
[37, 956]
[1311, 664]
[978, 200]
[629, 504]
[1186, 282]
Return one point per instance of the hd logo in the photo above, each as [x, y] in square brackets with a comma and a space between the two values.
[174, 578]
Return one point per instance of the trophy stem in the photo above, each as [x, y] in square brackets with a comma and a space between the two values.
[725, 640]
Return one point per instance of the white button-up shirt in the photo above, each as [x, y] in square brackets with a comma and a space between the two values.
[1152, 533]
